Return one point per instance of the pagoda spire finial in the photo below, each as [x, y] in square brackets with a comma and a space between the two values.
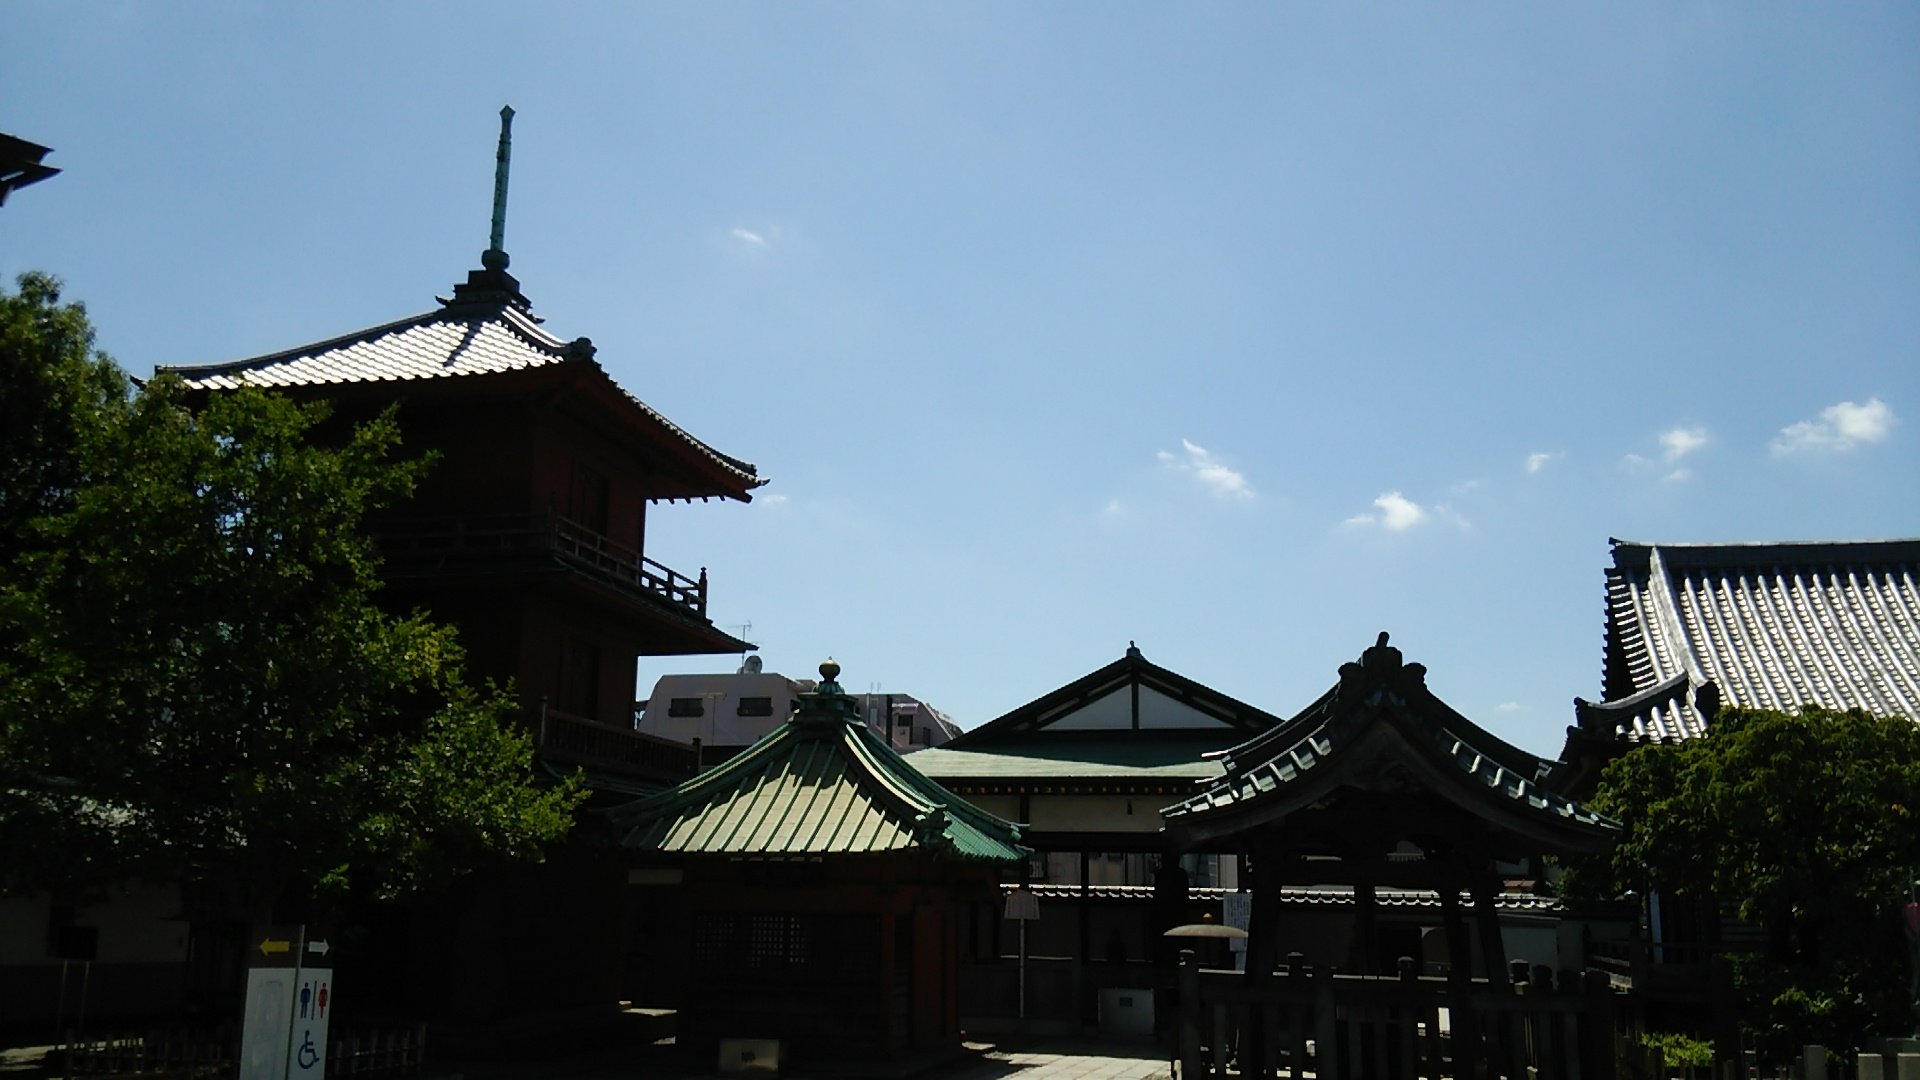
[495, 257]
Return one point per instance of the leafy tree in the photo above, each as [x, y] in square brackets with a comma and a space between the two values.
[196, 682]
[1805, 825]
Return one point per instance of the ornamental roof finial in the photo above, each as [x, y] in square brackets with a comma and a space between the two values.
[495, 257]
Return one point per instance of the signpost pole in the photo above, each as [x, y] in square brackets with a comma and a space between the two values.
[1023, 905]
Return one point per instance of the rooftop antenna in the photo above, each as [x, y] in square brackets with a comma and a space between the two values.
[495, 257]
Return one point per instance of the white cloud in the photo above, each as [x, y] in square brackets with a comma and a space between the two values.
[1213, 476]
[1396, 513]
[1681, 441]
[1675, 443]
[1540, 459]
[748, 237]
[1507, 706]
[775, 499]
[1840, 428]
[1114, 509]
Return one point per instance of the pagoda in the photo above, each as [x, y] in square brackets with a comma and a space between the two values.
[529, 534]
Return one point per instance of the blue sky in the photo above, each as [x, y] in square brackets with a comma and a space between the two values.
[1243, 331]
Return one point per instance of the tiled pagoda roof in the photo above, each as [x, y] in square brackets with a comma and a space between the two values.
[820, 784]
[1380, 728]
[488, 328]
[1694, 627]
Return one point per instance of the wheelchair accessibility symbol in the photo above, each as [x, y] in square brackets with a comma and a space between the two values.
[308, 1057]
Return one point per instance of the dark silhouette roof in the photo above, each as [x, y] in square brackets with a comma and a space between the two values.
[1381, 729]
[21, 163]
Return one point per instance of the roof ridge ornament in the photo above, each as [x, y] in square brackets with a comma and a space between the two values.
[1380, 667]
[828, 703]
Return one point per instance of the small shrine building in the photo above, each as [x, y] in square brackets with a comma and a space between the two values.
[821, 885]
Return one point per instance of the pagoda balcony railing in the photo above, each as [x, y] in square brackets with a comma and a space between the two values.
[433, 544]
[566, 738]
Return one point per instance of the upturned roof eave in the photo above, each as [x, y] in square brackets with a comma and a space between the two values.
[1331, 745]
[727, 476]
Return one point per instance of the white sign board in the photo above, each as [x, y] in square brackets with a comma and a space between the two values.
[269, 1019]
[289, 998]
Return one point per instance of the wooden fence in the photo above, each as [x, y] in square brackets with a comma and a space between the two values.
[1329, 1025]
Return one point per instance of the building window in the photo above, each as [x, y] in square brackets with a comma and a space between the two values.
[755, 706]
[686, 706]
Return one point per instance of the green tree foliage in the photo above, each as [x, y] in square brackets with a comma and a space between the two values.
[195, 680]
[1804, 825]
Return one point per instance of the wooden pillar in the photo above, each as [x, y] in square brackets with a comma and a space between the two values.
[1459, 947]
[1493, 950]
[1366, 914]
[1257, 869]
[1084, 1012]
[1467, 1057]
[1501, 1049]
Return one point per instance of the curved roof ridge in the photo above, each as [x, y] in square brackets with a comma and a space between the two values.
[327, 344]
[929, 791]
[1381, 690]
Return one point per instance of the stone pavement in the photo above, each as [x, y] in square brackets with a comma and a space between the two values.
[1026, 1059]
[1077, 1060]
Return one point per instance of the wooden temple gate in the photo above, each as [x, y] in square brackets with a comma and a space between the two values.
[1380, 785]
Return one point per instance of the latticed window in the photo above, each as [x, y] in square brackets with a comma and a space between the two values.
[733, 945]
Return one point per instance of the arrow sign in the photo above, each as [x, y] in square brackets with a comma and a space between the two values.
[319, 948]
[269, 946]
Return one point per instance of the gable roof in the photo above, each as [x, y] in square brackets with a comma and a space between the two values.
[487, 329]
[1130, 720]
[1130, 694]
[820, 784]
[1381, 729]
[1694, 627]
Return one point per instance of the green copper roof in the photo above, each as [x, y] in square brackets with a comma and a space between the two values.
[820, 784]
